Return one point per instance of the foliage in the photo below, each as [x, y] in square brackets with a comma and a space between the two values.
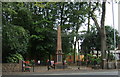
[92, 59]
[14, 58]
[111, 56]
[66, 44]
[91, 40]
[30, 28]
[15, 39]
[110, 37]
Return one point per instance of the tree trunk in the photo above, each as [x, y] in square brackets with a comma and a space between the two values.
[103, 37]
[108, 55]
[89, 18]
[74, 52]
[101, 30]
[103, 51]
[97, 53]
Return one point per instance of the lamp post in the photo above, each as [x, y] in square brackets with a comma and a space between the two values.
[114, 34]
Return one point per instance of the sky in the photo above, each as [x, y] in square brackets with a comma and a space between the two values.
[109, 15]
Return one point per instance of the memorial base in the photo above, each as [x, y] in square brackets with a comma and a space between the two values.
[61, 66]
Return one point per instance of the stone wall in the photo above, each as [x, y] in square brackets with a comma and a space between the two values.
[112, 65]
[118, 65]
[10, 67]
[119, 47]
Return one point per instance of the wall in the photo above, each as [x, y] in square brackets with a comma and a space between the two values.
[10, 67]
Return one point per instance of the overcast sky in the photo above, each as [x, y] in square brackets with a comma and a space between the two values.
[109, 14]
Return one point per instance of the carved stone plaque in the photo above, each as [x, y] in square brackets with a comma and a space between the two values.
[59, 58]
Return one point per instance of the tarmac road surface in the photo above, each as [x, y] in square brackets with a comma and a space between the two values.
[101, 73]
[60, 76]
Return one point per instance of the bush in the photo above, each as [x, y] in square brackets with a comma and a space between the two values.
[92, 59]
[111, 56]
[83, 63]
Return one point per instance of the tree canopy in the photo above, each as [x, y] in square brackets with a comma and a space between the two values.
[30, 28]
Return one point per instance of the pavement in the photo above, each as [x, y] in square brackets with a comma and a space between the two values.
[44, 70]
[71, 70]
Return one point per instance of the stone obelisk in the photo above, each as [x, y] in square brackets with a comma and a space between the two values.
[59, 46]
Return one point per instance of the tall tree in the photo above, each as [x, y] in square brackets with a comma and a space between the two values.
[101, 29]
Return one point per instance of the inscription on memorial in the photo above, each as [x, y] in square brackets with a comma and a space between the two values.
[59, 58]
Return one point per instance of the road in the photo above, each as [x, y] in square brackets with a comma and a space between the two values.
[95, 73]
[64, 76]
